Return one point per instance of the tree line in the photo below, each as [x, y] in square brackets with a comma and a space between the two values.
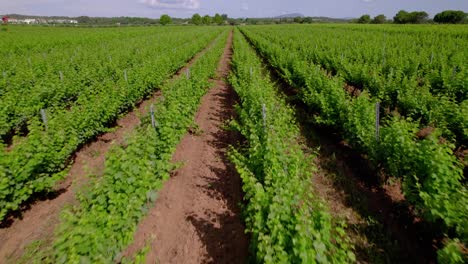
[417, 17]
[197, 19]
[164, 19]
[402, 17]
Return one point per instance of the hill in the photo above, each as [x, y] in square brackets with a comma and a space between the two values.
[292, 15]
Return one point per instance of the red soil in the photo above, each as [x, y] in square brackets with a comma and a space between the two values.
[196, 216]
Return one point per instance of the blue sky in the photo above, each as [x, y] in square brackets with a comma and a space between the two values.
[234, 8]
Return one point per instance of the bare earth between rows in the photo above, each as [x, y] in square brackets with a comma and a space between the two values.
[40, 218]
[196, 218]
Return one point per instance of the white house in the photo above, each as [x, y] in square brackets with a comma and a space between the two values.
[30, 21]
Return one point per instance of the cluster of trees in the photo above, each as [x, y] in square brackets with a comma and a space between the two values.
[402, 17]
[197, 19]
[218, 19]
[417, 17]
[116, 20]
[366, 19]
[286, 20]
[451, 17]
[112, 21]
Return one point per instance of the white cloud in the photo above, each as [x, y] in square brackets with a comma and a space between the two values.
[172, 4]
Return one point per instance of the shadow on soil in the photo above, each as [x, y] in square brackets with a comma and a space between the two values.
[26, 206]
[222, 234]
[393, 233]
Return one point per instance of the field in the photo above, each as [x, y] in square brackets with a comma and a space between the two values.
[327, 143]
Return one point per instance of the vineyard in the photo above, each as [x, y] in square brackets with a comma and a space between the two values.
[189, 144]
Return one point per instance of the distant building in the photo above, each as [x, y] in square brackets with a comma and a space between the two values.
[30, 21]
[63, 21]
[56, 21]
[41, 21]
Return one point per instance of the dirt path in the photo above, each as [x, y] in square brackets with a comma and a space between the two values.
[196, 216]
[38, 219]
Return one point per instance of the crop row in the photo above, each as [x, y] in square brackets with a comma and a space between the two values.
[430, 172]
[380, 51]
[286, 222]
[103, 224]
[37, 161]
[426, 81]
[63, 76]
[21, 41]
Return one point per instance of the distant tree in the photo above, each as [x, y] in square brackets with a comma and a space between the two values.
[298, 20]
[225, 17]
[380, 19]
[308, 20]
[402, 17]
[165, 19]
[233, 21]
[206, 20]
[364, 19]
[83, 19]
[218, 19]
[450, 17]
[417, 17]
[196, 19]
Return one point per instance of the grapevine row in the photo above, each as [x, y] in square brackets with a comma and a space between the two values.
[287, 223]
[60, 78]
[430, 172]
[426, 82]
[38, 160]
[104, 222]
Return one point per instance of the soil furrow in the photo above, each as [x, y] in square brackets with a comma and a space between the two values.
[38, 220]
[196, 218]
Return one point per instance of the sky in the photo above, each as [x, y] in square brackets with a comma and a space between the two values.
[233, 8]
